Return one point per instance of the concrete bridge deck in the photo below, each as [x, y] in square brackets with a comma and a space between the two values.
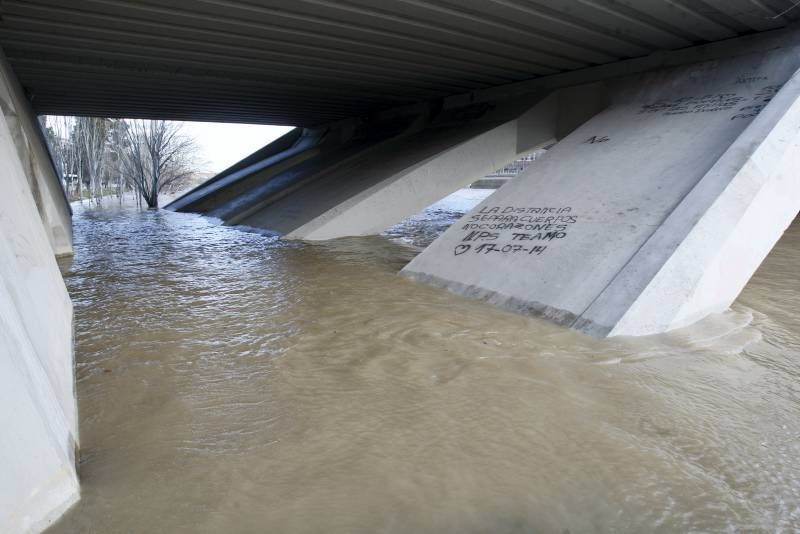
[307, 62]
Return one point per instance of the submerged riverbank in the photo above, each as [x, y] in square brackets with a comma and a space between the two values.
[229, 381]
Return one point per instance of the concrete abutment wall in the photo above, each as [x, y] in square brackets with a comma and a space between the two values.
[38, 409]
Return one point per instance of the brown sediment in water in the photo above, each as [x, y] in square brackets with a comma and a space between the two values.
[229, 382]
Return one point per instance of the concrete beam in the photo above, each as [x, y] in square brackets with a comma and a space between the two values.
[404, 175]
[359, 177]
[650, 215]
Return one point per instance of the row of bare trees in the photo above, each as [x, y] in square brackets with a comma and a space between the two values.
[99, 157]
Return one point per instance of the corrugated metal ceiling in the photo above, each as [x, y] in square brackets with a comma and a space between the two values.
[304, 62]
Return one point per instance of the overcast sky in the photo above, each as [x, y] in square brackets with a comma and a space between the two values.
[222, 145]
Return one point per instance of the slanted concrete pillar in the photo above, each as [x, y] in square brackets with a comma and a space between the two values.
[29, 142]
[649, 216]
[422, 168]
[38, 408]
[360, 177]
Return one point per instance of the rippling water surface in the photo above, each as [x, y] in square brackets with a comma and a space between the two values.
[230, 382]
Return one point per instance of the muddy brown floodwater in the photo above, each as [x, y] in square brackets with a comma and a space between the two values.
[230, 382]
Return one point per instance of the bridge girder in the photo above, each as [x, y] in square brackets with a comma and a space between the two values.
[308, 62]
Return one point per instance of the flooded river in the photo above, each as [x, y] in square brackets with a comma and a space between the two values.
[230, 382]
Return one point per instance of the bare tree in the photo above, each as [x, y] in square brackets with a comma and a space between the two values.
[117, 138]
[59, 133]
[156, 155]
[91, 136]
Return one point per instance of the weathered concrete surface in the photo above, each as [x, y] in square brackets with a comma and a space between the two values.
[650, 215]
[51, 202]
[755, 187]
[402, 176]
[38, 413]
[360, 177]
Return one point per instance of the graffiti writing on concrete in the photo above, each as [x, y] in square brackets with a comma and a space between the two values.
[488, 248]
[760, 101]
[514, 230]
[742, 79]
[745, 106]
[694, 104]
[593, 140]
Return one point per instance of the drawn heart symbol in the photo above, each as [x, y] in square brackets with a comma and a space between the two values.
[460, 249]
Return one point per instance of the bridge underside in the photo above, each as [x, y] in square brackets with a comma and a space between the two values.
[309, 62]
[675, 125]
[604, 233]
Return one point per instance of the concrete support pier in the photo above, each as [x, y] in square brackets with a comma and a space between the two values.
[358, 177]
[650, 215]
[48, 194]
[38, 410]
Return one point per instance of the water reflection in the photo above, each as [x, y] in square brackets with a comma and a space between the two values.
[232, 382]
